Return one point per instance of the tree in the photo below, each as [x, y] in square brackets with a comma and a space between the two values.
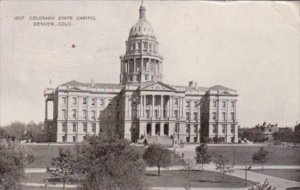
[202, 155]
[261, 156]
[63, 163]
[109, 164]
[13, 161]
[259, 186]
[156, 155]
[224, 165]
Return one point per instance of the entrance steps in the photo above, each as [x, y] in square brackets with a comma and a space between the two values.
[163, 140]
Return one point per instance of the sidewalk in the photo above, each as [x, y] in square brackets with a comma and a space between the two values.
[67, 186]
[277, 182]
[210, 166]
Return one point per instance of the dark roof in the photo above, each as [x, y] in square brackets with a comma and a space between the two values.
[220, 87]
[96, 85]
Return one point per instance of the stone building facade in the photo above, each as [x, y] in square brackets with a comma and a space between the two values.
[142, 105]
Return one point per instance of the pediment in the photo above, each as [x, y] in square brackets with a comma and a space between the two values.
[158, 86]
[75, 89]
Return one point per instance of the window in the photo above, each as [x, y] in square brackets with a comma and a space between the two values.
[188, 128]
[176, 114]
[64, 127]
[188, 116]
[214, 115]
[94, 127]
[118, 115]
[148, 113]
[64, 113]
[195, 139]
[74, 101]
[74, 138]
[223, 116]
[232, 104]
[215, 128]
[156, 113]
[93, 114]
[84, 114]
[223, 104]
[232, 116]
[195, 116]
[93, 102]
[214, 104]
[74, 114]
[85, 127]
[223, 128]
[187, 104]
[232, 128]
[177, 129]
[146, 77]
[176, 101]
[102, 102]
[195, 104]
[196, 128]
[84, 101]
[64, 100]
[74, 127]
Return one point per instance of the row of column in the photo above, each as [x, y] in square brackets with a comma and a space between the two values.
[138, 66]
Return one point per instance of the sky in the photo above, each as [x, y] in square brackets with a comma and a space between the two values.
[252, 47]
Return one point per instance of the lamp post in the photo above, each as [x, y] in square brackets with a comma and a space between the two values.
[246, 169]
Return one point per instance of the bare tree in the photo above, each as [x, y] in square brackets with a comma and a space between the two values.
[223, 164]
[261, 156]
[202, 155]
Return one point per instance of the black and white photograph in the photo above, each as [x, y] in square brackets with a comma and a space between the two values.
[149, 95]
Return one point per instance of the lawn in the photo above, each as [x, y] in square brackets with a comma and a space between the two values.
[169, 179]
[43, 154]
[238, 154]
[241, 155]
[293, 175]
[199, 179]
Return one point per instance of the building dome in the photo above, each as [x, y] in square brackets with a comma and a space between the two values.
[142, 27]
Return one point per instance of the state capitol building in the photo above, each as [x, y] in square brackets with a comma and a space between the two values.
[141, 105]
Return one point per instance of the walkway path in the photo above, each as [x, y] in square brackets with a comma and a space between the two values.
[67, 186]
[277, 182]
[197, 167]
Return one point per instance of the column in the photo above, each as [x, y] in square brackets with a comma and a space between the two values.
[126, 106]
[46, 109]
[144, 104]
[152, 114]
[161, 106]
[169, 106]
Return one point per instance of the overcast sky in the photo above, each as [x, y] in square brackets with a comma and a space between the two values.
[251, 47]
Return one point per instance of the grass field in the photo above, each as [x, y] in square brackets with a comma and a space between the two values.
[43, 155]
[293, 175]
[239, 154]
[170, 179]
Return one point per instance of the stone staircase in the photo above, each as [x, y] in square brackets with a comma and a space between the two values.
[163, 140]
